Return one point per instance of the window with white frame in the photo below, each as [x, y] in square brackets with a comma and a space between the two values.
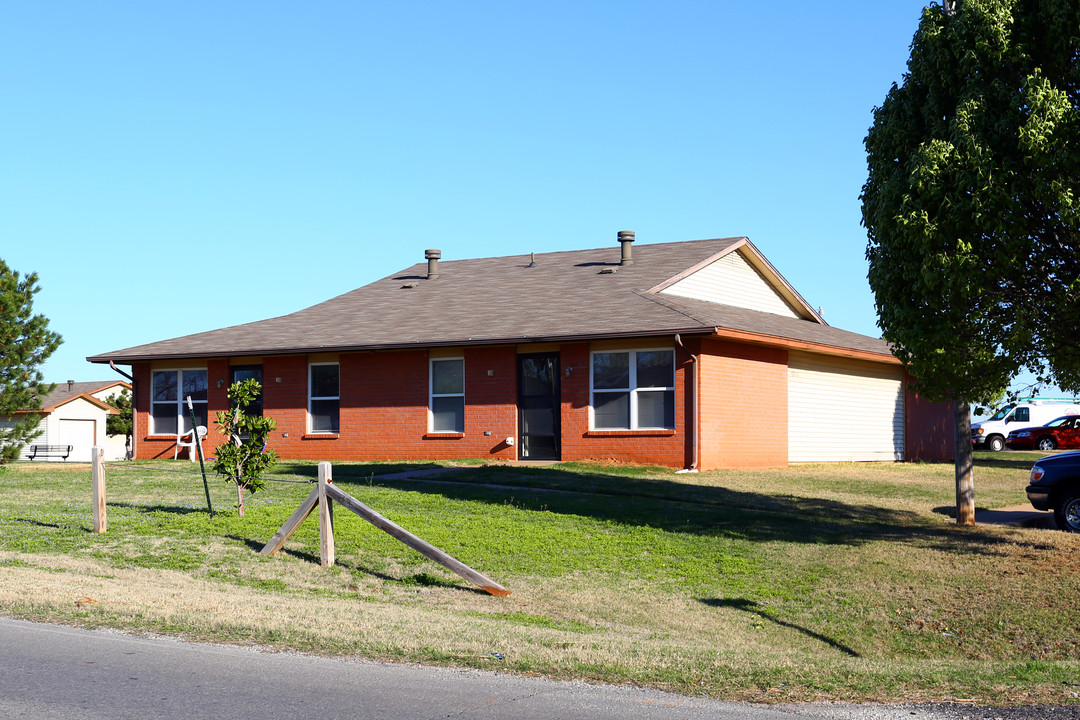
[324, 399]
[633, 390]
[169, 414]
[448, 395]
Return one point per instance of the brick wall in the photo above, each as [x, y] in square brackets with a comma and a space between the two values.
[662, 447]
[217, 398]
[146, 446]
[929, 429]
[384, 412]
[743, 406]
[383, 407]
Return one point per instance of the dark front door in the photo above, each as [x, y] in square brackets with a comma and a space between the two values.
[249, 372]
[538, 406]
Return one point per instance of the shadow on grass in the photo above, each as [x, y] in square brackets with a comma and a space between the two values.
[624, 497]
[1005, 464]
[950, 510]
[173, 509]
[422, 579]
[350, 472]
[38, 523]
[257, 545]
[754, 608]
[694, 509]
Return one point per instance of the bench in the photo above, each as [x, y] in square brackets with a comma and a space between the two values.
[50, 451]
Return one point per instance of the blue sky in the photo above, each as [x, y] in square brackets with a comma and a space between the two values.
[173, 168]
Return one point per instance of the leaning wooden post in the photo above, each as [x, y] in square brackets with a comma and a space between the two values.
[327, 493]
[198, 446]
[97, 478]
[423, 547]
[326, 517]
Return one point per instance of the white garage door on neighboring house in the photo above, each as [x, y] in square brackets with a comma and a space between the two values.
[844, 410]
[80, 434]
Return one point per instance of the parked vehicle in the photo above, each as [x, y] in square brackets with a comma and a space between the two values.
[1062, 432]
[1026, 413]
[1055, 485]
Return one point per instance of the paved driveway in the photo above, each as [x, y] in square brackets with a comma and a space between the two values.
[1017, 515]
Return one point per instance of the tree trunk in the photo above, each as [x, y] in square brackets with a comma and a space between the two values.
[240, 498]
[965, 480]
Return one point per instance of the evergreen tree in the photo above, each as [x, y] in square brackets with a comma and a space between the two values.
[121, 423]
[25, 343]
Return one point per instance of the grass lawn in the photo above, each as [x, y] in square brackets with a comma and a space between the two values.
[831, 581]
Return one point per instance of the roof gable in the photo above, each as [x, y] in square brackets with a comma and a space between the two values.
[66, 391]
[731, 280]
[85, 397]
[740, 276]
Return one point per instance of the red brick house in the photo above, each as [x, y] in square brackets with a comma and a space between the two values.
[689, 354]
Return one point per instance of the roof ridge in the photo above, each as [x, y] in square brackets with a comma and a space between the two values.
[614, 248]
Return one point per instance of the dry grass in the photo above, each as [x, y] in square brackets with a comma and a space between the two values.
[813, 582]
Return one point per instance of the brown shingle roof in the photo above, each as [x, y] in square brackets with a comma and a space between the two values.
[63, 393]
[567, 295]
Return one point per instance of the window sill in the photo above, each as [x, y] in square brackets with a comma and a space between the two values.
[443, 435]
[630, 433]
[319, 436]
[161, 438]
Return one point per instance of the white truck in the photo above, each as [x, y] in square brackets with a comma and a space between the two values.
[1024, 413]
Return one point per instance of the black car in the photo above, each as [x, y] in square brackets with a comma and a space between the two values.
[1055, 485]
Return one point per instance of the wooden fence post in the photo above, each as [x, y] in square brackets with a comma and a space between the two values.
[326, 517]
[421, 546]
[327, 493]
[97, 478]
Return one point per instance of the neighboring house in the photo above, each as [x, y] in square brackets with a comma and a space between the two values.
[688, 354]
[74, 413]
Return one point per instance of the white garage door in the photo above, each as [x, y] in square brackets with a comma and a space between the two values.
[80, 435]
[844, 410]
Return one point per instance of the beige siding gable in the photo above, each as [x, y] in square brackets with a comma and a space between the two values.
[114, 389]
[731, 280]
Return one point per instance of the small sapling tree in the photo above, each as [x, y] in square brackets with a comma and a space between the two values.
[243, 458]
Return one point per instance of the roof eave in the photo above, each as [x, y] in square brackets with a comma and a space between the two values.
[515, 340]
[806, 346]
[717, 332]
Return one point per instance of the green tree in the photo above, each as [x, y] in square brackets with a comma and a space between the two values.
[971, 205]
[25, 343]
[120, 424]
[243, 457]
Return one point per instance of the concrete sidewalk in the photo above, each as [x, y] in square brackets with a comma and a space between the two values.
[1017, 516]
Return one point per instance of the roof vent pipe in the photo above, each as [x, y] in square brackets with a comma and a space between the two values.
[71, 385]
[432, 257]
[625, 238]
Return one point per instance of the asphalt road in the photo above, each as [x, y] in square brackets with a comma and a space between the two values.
[55, 672]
